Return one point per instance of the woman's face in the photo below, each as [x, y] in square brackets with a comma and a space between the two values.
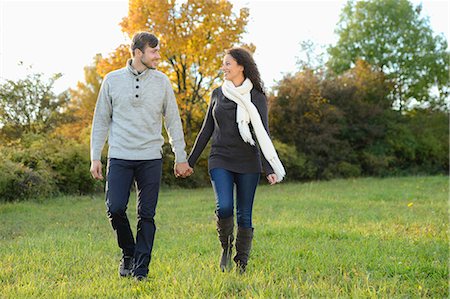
[231, 69]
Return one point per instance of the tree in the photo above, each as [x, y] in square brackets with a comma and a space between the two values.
[301, 116]
[82, 104]
[392, 36]
[312, 56]
[193, 35]
[362, 96]
[30, 106]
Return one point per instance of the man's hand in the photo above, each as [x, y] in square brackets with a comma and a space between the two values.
[96, 169]
[272, 178]
[182, 170]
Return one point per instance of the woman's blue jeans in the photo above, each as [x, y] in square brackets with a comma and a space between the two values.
[223, 182]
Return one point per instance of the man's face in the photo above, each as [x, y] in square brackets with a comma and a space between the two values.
[150, 57]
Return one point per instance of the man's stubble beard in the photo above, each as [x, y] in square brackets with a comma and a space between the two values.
[146, 65]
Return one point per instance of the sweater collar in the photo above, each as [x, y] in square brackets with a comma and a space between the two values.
[133, 71]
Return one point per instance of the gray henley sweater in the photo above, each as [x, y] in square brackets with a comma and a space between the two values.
[131, 106]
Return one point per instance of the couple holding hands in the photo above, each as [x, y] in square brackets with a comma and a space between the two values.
[131, 105]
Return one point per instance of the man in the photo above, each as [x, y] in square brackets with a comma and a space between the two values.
[131, 104]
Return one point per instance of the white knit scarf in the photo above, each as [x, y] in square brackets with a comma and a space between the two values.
[246, 113]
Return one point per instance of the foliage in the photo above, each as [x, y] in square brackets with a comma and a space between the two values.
[301, 116]
[30, 106]
[19, 182]
[193, 34]
[62, 164]
[295, 163]
[82, 104]
[344, 126]
[418, 142]
[392, 36]
[324, 124]
[362, 97]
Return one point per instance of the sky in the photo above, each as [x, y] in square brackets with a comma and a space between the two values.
[63, 36]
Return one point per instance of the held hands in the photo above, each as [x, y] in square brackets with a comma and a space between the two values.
[182, 170]
[96, 170]
[272, 178]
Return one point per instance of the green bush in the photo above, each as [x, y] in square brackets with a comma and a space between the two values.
[418, 143]
[65, 163]
[375, 164]
[413, 143]
[431, 131]
[18, 182]
[70, 165]
[295, 163]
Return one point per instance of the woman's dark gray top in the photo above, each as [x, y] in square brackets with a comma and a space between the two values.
[228, 150]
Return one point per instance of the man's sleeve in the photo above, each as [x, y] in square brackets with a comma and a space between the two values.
[101, 121]
[172, 123]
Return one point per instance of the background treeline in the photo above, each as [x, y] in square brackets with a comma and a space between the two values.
[375, 104]
[344, 126]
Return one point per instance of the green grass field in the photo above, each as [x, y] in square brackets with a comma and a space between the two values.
[362, 238]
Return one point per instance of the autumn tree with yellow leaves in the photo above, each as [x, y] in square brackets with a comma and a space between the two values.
[193, 36]
[82, 104]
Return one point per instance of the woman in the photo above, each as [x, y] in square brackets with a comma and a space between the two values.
[235, 157]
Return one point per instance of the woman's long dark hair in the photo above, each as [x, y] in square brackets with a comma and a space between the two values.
[244, 58]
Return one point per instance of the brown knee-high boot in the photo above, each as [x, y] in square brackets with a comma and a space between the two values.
[243, 245]
[225, 229]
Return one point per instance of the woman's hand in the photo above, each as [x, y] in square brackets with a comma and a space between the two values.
[272, 178]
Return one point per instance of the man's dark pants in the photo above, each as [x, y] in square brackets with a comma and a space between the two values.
[147, 175]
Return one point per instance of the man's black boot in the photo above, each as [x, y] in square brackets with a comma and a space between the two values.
[126, 266]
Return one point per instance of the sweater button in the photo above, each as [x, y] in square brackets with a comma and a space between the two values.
[137, 80]
[137, 86]
[137, 96]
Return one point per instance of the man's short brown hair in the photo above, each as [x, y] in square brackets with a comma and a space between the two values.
[143, 39]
